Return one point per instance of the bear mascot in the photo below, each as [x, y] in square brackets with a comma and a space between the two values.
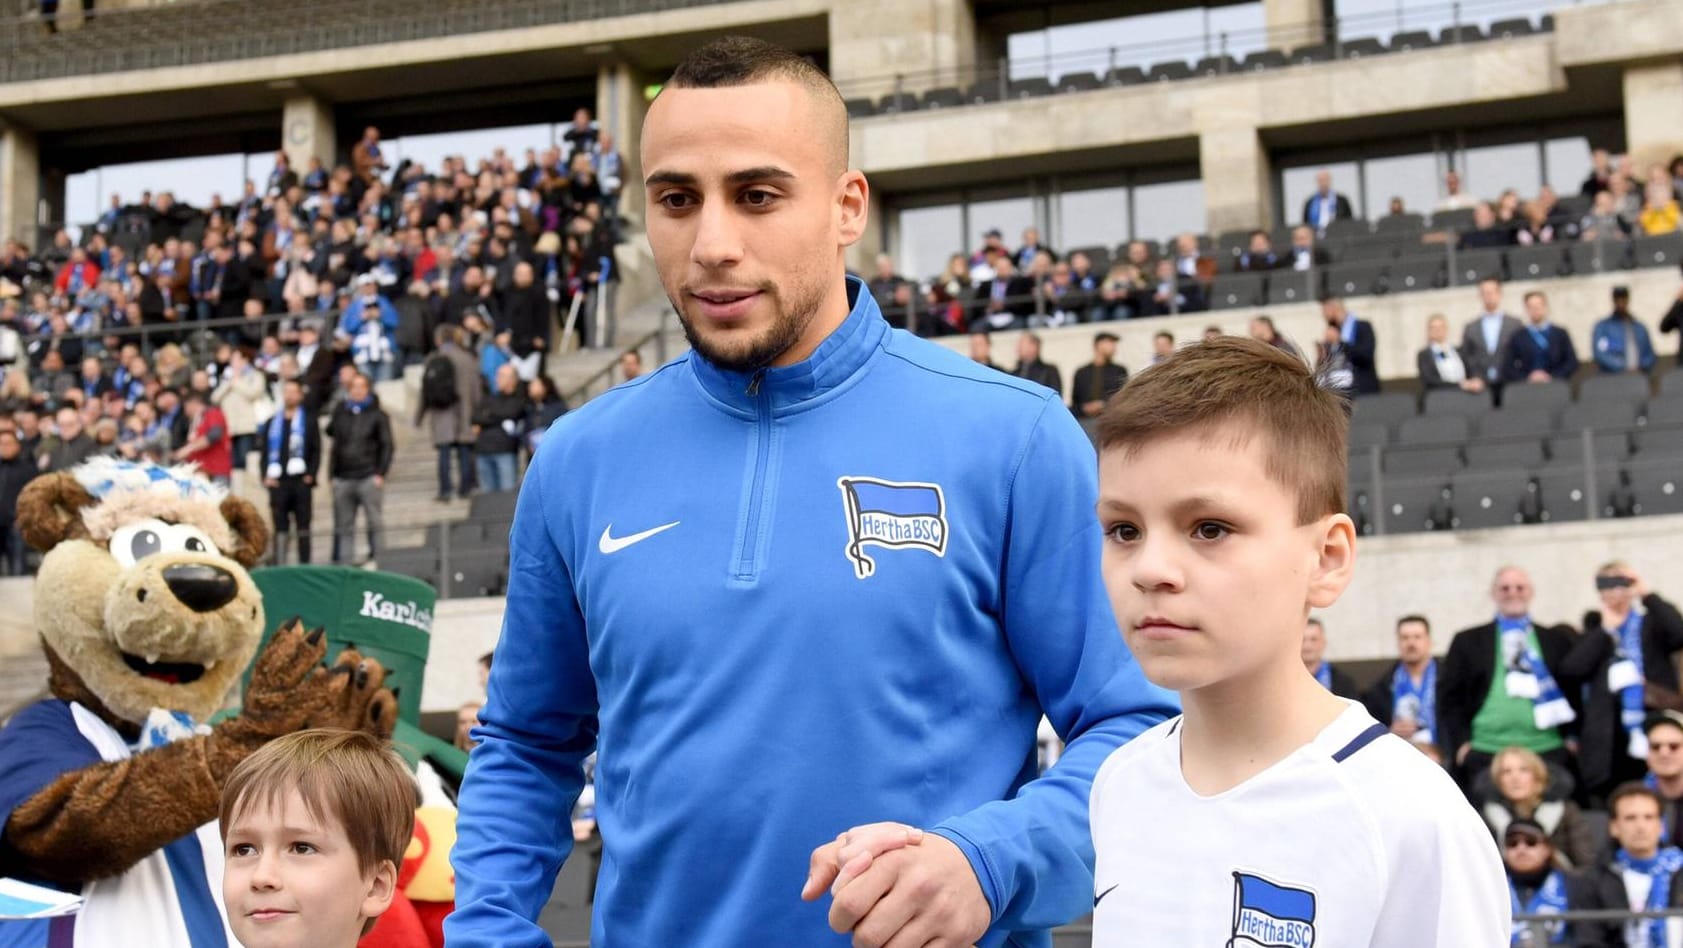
[148, 618]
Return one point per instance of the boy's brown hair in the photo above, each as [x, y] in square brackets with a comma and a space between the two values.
[1251, 388]
[348, 776]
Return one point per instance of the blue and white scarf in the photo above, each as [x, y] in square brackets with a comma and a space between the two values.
[1528, 677]
[1417, 703]
[1323, 674]
[1650, 933]
[1625, 679]
[1549, 899]
[292, 463]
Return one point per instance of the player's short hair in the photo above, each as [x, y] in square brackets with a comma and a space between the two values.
[1625, 791]
[1246, 388]
[745, 60]
[347, 776]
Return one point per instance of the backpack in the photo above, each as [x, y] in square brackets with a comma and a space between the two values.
[438, 383]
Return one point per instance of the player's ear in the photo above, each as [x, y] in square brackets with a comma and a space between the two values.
[1336, 561]
[853, 206]
[382, 887]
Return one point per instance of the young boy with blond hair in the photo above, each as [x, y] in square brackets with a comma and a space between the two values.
[314, 826]
[1271, 812]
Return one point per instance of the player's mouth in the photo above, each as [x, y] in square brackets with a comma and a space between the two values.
[1158, 628]
[724, 305]
[268, 914]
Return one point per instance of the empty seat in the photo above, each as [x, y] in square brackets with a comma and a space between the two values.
[1482, 499]
[1607, 413]
[1359, 48]
[944, 98]
[1124, 76]
[418, 562]
[1507, 29]
[1453, 401]
[1598, 256]
[1079, 82]
[1658, 489]
[475, 576]
[1360, 504]
[1422, 461]
[1415, 504]
[1561, 492]
[1266, 59]
[1345, 227]
[1471, 266]
[1434, 429]
[1606, 447]
[896, 102]
[1292, 286]
[1538, 262]
[1460, 34]
[1368, 247]
[1319, 53]
[1624, 388]
[1355, 279]
[1365, 435]
[1215, 66]
[1505, 455]
[1662, 251]
[1029, 88]
[1410, 40]
[1415, 273]
[1236, 290]
[1460, 218]
[1384, 408]
[987, 90]
[1169, 71]
[1400, 224]
[1551, 397]
[491, 505]
[1671, 383]
[1512, 422]
[860, 108]
[1664, 411]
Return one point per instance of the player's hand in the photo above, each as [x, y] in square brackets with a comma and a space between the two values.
[835, 863]
[918, 895]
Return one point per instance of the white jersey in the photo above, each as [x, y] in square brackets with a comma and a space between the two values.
[1354, 839]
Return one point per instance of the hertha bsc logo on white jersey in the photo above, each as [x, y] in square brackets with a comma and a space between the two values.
[893, 514]
[1267, 914]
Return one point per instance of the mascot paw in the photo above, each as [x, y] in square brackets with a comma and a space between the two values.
[352, 695]
[291, 662]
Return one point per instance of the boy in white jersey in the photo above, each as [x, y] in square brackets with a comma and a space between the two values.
[1271, 813]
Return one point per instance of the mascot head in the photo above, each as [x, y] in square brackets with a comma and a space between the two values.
[143, 600]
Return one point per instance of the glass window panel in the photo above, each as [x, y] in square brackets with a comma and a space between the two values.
[1296, 184]
[1094, 216]
[1010, 215]
[1569, 163]
[1489, 170]
[192, 180]
[1166, 209]
[927, 237]
[1414, 178]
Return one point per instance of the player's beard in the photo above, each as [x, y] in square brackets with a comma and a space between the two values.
[790, 319]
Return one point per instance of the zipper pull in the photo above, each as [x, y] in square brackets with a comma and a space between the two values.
[754, 383]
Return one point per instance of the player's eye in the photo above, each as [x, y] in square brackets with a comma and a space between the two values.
[1210, 530]
[1122, 533]
[303, 849]
[675, 201]
[758, 198]
[241, 849]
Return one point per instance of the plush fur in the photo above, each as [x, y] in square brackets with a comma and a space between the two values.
[98, 618]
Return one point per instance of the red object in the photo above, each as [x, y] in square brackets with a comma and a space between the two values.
[217, 459]
[400, 927]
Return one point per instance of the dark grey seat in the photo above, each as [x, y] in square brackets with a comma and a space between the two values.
[1602, 414]
[1385, 408]
[1538, 262]
[1416, 273]
[860, 108]
[1482, 499]
[1471, 266]
[1412, 502]
[1453, 401]
[1460, 218]
[1170, 71]
[1505, 455]
[1078, 82]
[1511, 422]
[1552, 397]
[1318, 53]
[1266, 59]
[1410, 225]
[418, 562]
[984, 91]
[1411, 40]
[1664, 410]
[1292, 286]
[1658, 489]
[1631, 389]
[944, 98]
[1029, 88]
[896, 102]
[1562, 490]
[1460, 34]
[1507, 29]
[1361, 48]
[1605, 447]
[493, 504]
[1438, 461]
[1598, 256]
[1215, 66]
[1434, 429]
[1662, 251]
[1124, 76]
[1236, 290]
[1355, 279]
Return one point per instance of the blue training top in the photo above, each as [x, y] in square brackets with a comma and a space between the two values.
[785, 604]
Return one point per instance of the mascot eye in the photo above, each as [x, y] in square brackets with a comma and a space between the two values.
[144, 544]
[196, 545]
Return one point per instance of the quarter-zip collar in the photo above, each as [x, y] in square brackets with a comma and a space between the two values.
[837, 360]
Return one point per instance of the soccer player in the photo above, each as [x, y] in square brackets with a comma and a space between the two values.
[1272, 812]
[812, 575]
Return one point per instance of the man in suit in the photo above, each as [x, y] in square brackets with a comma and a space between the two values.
[315, 365]
[1484, 339]
[1333, 679]
[1347, 352]
[1325, 205]
[1008, 298]
[1535, 701]
[1096, 382]
[1405, 696]
[1260, 255]
[1304, 255]
[1440, 364]
[1543, 352]
[1030, 367]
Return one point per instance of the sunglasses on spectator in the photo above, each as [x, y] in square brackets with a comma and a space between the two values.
[1513, 842]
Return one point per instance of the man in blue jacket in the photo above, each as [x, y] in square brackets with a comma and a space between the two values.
[1621, 343]
[815, 574]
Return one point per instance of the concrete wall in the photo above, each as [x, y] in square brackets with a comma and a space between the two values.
[20, 183]
[1399, 321]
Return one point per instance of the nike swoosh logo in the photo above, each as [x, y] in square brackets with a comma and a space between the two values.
[612, 544]
[1100, 897]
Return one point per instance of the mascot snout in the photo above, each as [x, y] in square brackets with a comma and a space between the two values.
[201, 587]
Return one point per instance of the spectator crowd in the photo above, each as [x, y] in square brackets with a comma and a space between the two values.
[181, 334]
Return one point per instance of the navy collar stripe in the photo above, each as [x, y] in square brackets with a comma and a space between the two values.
[1360, 741]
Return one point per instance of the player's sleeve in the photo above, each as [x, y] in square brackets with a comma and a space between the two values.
[1446, 886]
[513, 829]
[1034, 853]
